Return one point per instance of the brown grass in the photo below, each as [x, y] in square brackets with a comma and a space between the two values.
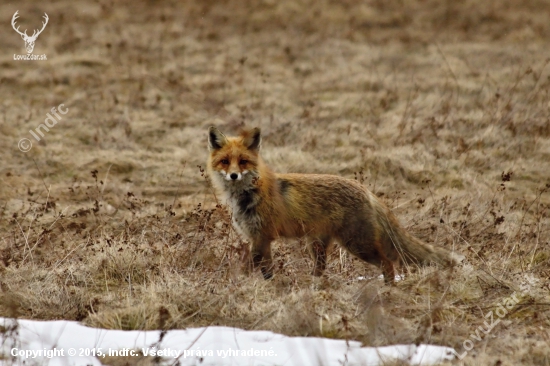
[439, 107]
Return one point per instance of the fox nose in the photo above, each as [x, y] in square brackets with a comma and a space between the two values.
[234, 176]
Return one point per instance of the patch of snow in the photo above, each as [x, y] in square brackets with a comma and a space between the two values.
[398, 278]
[70, 343]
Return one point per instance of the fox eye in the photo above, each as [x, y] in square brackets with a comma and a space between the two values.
[225, 161]
[243, 161]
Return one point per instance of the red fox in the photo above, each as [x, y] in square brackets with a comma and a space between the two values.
[322, 208]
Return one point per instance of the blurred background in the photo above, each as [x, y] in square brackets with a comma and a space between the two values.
[144, 79]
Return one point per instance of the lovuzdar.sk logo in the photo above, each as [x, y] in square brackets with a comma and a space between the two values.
[29, 40]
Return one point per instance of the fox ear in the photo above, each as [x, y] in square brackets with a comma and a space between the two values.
[216, 139]
[252, 139]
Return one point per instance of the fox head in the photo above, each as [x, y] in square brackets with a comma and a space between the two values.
[234, 160]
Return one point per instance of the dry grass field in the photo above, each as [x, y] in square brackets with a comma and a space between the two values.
[439, 107]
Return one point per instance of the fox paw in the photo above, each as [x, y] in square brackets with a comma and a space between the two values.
[267, 274]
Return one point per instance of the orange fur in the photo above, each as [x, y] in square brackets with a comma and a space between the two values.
[323, 208]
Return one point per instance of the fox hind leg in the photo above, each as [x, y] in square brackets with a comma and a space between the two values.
[388, 270]
[318, 248]
[372, 253]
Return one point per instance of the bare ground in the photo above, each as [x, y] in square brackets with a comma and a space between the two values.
[439, 107]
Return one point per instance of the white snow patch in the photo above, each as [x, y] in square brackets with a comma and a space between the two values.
[214, 345]
[398, 277]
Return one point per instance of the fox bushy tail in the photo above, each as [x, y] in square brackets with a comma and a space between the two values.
[412, 250]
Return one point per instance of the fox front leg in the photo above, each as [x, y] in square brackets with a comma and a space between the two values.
[261, 256]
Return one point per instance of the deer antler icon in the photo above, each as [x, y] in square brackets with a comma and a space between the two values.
[29, 41]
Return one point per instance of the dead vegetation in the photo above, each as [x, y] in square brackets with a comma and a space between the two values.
[439, 107]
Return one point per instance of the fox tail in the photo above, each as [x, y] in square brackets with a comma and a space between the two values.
[413, 250]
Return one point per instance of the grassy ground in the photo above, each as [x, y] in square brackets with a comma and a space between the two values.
[439, 107]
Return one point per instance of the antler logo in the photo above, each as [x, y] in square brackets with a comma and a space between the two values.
[29, 41]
